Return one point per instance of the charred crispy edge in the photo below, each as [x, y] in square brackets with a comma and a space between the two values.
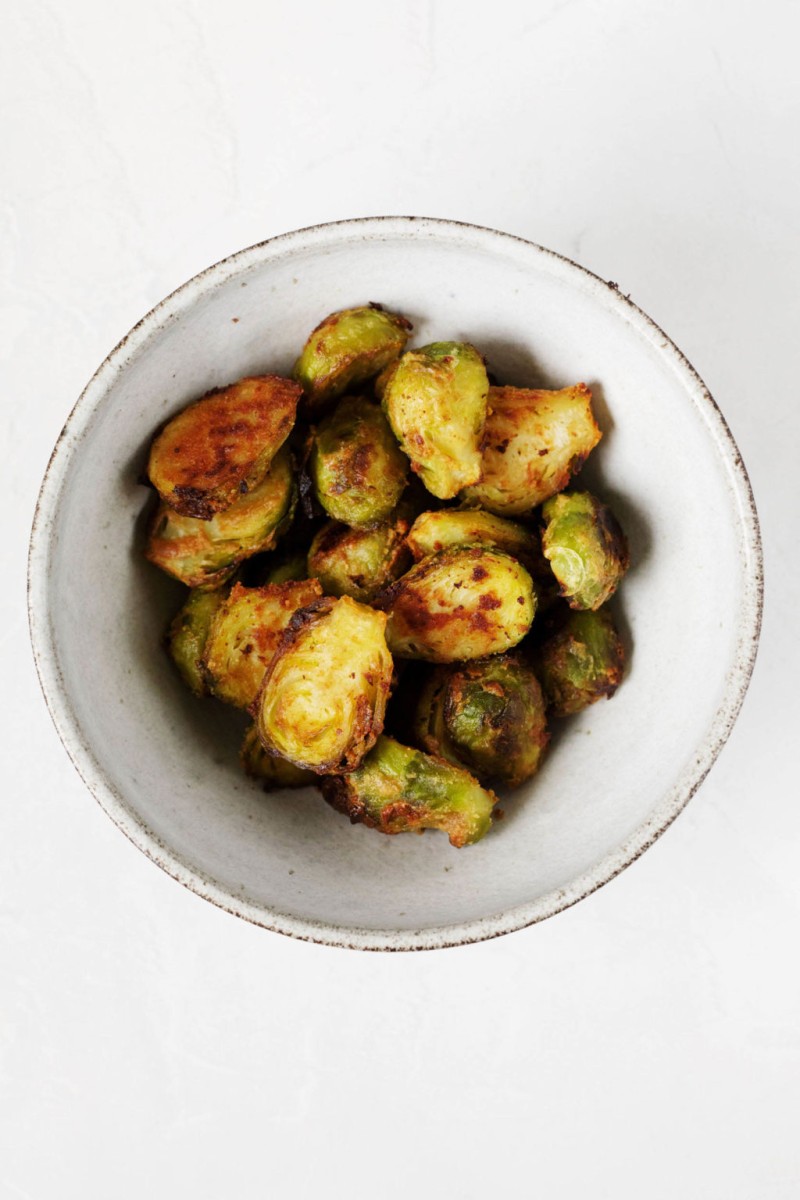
[615, 541]
[339, 793]
[367, 730]
[204, 503]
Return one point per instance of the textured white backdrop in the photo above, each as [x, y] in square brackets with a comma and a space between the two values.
[645, 1043]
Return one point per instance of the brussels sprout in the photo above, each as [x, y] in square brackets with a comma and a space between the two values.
[463, 603]
[581, 663]
[245, 633]
[220, 447]
[187, 635]
[436, 404]
[274, 773]
[358, 562]
[447, 527]
[347, 349]
[534, 442]
[359, 471]
[205, 553]
[586, 548]
[488, 716]
[324, 696]
[399, 790]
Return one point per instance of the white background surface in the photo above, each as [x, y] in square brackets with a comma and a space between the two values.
[644, 1043]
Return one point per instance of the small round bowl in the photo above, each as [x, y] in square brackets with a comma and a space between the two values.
[164, 765]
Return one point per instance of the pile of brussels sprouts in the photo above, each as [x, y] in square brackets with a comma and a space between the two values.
[386, 572]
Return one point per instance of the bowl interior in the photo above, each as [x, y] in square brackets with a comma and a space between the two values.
[165, 765]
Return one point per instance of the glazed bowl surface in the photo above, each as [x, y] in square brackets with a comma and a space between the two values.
[164, 765]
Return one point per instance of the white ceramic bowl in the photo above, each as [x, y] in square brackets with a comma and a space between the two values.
[164, 766]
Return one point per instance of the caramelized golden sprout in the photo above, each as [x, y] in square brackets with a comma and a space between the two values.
[187, 635]
[400, 790]
[358, 562]
[586, 548]
[324, 696]
[245, 633]
[436, 402]
[460, 604]
[581, 663]
[448, 527]
[358, 470]
[204, 554]
[347, 349]
[534, 442]
[488, 716]
[274, 773]
[219, 448]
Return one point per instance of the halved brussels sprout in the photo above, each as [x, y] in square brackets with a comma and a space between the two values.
[358, 562]
[188, 633]
[274, 773]
[399, 790]
[586, 548]
[346, 349]
[534, 442]
[447, 527]
[436, 402]
[358, 470]
[460, 604]
[581, 663]
[488, 716]
[245, 633]
[324, 696]
[220, 447]
[205, 554]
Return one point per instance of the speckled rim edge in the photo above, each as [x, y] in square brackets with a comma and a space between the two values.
[46, 653]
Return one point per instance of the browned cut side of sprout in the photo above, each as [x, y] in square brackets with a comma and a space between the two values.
[205, 554]
[436, 402]
[460, 604]
[534, 443]
[245, 633]
[323, 699]
[217, 449]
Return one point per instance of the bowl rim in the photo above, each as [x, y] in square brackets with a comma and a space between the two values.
[54, 688]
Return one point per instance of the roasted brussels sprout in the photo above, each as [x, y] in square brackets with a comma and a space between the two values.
[358, 562]
[274, 773]
[488, 716]
[436, 402]
[586, 548]
[220, 447]
[245, 633]
[324, 695]
[581, 663]
[359, 471]
[187, 635]
[447, 527]
[460, 604]
[205, 554]
[398, 790]
[347, 349]
[534, 442]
